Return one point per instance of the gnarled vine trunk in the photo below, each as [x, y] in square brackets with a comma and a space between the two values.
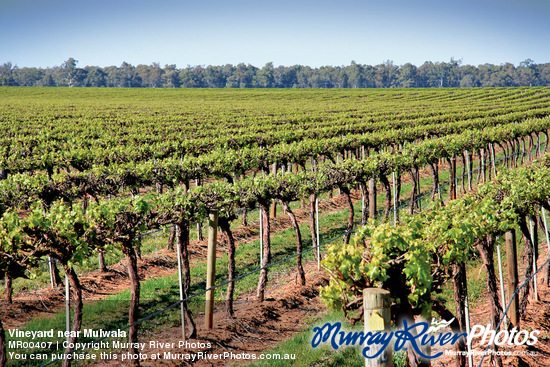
[435, 178]
[225, 228]
[299, 244]
[171, 238]
[528, 254]
[346, 192]
[8, 289]
[101, 260]
[460, 292]
[182, 242]
[387, 188]
[56, 277]
[364, 202]
[77, 299]
[133, 311]
[267, 252]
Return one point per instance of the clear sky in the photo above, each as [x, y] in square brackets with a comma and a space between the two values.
[286, 32]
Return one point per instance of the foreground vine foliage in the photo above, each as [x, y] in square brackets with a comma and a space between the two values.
[415, 258]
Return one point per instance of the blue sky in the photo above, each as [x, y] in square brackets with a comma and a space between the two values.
[315, 33]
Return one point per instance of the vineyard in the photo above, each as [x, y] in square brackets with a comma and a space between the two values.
[424, 180]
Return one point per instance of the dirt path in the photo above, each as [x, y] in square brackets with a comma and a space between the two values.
[287, 310]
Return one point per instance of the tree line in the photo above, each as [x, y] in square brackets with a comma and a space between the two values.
[384, 75]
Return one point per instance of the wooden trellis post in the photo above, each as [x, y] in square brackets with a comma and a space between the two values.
[67, 308]
[318, 239]
[372, 198]
[395, 213]
[468, 330]
[211, 268]
[52, 276]
[377, 303]
[469, 171]
[180, 282]
[534, 242]
[501, 280]
[261, 238]
[547, 275]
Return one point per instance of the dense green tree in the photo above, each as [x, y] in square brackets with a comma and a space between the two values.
[47, 80]
[95, 77]
[303, 76]
[427, 75]
[242, 76]
[214, 77]
[469, 77]
[6, 74]
[128, 77]
[527, 73]
[123, 76]
[150, 75]
[170, 77]
[29, 77]
[227, 71]
[386, 75]
[112, 78]
[544, 74]
[328, 76]
[192, 77]
[454, 72]
[68, 75]
[370, 72]
[264, 76]
[485, 72]
[356, 75]
[342, 79]
[407, 76]
[286, 77]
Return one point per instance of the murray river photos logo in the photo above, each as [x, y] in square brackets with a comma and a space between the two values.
[417, 336]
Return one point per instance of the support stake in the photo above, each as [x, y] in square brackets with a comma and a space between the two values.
[50, 266]
[547, 240]
[512, 263]
[394, 201]
[419, 192]
[261, 239]
[468, 344]
[502, 294]
[317, 225]
[67, 308]
[211, 268]
[532, 232]
[494, 160]
[469, 171]
[372, 198]
[178, 229]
